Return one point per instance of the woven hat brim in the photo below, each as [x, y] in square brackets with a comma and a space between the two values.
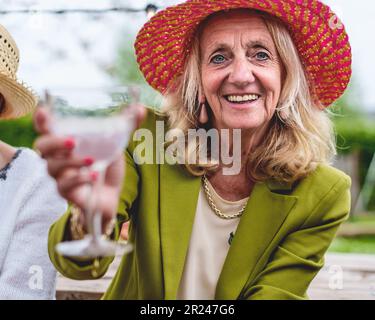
[19, 99]
[163, 43]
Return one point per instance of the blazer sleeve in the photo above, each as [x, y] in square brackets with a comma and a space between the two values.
[300, 256]
[81, 269]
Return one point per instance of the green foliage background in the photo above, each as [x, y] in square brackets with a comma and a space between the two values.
[18, 132]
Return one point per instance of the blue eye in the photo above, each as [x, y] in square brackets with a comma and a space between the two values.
[262, 56]
[218, 59]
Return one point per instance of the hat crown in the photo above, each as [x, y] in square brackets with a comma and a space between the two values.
[9, 54]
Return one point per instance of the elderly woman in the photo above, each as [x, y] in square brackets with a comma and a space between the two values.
[268, 68]
[29, 201]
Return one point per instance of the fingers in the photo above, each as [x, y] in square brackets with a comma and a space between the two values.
[50, 146]
[125, 231]
[42, 119]
[58, 166]
[72, 179]
[141, 114]
[115, 173]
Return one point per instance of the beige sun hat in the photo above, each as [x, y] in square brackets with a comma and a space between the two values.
[19, 98]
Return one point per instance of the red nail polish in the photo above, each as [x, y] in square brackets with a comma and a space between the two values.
[94, 175]
[69, 143]
[88, 161]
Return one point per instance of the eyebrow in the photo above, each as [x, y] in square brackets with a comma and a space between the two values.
[258, 43]
[251, 44]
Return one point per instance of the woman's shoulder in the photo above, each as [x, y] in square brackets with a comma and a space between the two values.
[18, 160]
[27, 170]
[324, 185]
[31, 155]
[154, 123]
[153, 116]
[32, 182]
[30, 161]
[323, 197]
[29, 190]
[326, 176]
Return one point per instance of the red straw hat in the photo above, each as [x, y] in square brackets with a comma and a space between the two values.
[163, 44]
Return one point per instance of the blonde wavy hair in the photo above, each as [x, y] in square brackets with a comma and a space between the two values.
[300, 134]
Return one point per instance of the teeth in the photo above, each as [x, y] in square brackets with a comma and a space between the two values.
[247, 97]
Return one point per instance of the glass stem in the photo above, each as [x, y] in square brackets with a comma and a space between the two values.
[95, 216]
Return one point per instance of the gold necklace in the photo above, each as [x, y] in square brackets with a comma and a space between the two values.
[214, 207]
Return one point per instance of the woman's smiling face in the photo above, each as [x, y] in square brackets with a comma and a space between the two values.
[241, 70]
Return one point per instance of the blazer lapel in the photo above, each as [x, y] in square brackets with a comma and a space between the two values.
[178, 200]
[264, 214]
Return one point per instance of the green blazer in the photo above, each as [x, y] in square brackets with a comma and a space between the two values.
[276, 252]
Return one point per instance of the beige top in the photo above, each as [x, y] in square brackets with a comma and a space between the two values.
[208, 247]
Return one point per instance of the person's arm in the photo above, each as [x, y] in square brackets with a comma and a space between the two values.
[298, 259]
[81, 269]
[27, 272]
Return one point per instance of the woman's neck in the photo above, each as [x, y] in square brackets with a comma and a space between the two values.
[6, 153]
[231, 187]
[238, 184]
[238, 145]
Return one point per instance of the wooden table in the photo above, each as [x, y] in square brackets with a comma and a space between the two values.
[344, 277]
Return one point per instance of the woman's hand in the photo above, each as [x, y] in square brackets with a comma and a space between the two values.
[66, 168]
[124, 234]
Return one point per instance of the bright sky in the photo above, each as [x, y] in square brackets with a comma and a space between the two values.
[358, 18]
[76, 50]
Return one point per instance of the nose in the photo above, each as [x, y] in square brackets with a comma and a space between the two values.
[241, 73]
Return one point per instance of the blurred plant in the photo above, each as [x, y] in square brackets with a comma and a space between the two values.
[355, 129]
[18, 132]
[126, 70]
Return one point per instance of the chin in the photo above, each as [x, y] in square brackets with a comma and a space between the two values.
[249, 122]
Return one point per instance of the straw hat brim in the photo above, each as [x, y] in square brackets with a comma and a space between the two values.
[164, 42]
[19, 99]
